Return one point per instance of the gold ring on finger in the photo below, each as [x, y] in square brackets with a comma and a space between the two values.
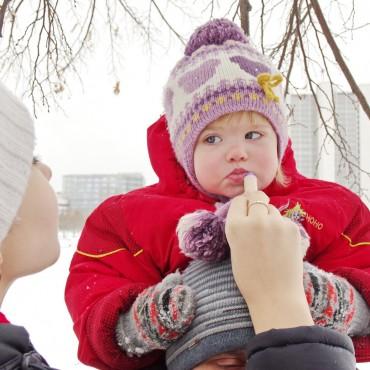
[258, 202]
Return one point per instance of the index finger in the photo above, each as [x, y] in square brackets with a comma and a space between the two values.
[237, 209]
[250, 183]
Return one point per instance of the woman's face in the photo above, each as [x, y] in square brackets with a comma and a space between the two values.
[32, 242]
[235, 360]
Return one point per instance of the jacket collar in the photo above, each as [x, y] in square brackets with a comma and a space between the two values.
[172, 177]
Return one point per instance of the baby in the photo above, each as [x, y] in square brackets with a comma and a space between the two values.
[225, 117]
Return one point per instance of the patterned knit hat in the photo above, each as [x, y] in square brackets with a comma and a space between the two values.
[222, 322]
[16, 150]
[221, 73]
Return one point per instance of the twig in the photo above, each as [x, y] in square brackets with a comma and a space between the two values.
[338, 57]
[2, 15]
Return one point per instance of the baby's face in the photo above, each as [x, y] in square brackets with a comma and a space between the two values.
[230, 147]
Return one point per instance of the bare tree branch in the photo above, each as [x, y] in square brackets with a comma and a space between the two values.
[245, 7]
[332, 134]
[338, 57]
[3, 9]
[167, 23]
[211, 5]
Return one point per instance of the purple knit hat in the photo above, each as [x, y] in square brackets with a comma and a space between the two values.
[221, 73]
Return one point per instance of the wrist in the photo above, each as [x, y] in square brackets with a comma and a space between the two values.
[128, 337]
[280, 312]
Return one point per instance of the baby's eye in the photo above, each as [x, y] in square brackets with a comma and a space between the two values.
[212, 139]
[252, 135]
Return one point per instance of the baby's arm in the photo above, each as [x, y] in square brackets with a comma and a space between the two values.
[95, 295]
[104, 280]
[334, 302]
[348, 255]
[159, 315]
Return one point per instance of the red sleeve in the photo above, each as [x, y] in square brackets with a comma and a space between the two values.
[350, 248]
[105, 278]
[356, 242]
[349, 256]
[360, 279]
[357, 239]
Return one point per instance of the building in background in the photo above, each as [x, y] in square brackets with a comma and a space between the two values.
[303, 131]
[349, 126]
[320, 158]
[83, 193]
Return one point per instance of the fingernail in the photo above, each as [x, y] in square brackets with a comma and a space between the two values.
[250, 174]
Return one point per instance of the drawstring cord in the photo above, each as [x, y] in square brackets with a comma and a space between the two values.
[267, 81]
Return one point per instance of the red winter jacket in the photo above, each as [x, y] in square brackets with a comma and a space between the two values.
[129, 243]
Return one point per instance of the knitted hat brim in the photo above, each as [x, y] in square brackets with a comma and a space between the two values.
[188, 358]
[243, 104]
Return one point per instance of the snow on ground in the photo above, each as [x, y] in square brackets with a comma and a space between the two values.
[37, 302]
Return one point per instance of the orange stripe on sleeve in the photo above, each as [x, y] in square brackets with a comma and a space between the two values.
[353, 245]
[102, 254]
[138, 252]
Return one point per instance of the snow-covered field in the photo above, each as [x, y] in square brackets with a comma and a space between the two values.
[37, 303]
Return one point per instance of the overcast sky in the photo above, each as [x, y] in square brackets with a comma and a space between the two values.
[100, 132]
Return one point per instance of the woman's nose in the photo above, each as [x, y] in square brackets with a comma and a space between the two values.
[44, 169]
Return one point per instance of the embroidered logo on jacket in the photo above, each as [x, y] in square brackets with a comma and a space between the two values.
[298, 214]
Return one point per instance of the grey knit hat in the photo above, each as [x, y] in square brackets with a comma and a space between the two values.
[222, 322]
[16, 151]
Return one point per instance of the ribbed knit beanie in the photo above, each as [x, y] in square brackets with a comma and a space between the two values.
[222, 322]
[220, 73]
[16, 151]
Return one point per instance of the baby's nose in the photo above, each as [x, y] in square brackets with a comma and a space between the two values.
[237, 153]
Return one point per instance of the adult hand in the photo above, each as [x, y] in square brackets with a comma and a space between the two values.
[266, 260]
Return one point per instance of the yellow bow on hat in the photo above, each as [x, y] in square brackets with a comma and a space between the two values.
[267, 81]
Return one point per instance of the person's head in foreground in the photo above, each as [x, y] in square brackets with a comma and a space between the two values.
[219, 334]
[226, 111]
[28, 207]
